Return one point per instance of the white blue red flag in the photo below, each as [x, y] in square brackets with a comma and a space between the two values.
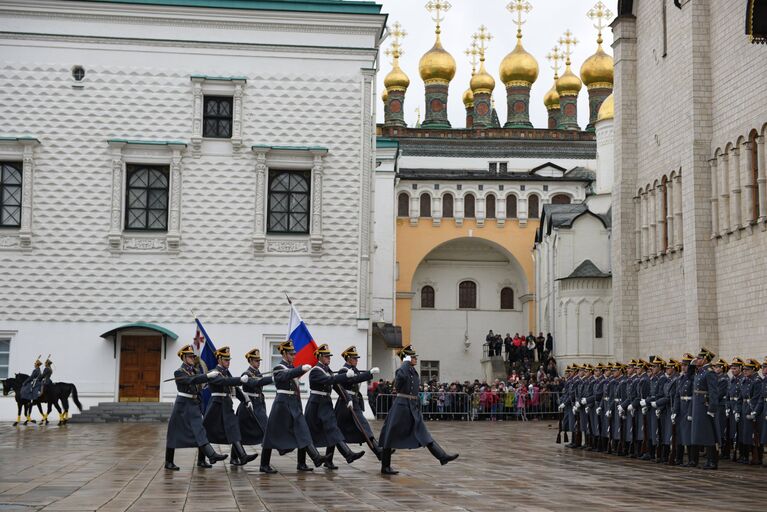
[302, 339]
[206, 351]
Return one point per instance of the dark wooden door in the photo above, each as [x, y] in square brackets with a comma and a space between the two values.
[140, 368]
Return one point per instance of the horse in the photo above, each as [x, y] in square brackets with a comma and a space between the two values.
[51, 395]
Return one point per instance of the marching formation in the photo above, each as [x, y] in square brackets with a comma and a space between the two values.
[660, 410]
[289, 427]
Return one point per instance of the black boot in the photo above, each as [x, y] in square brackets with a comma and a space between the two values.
[679, 455]
[664, 454]
[233, 457]
[212, 455]
[329, 458]
[301, 461]
[169, 459]
[711, 458]
[318, 459]
[650, 451]
[386, 468]
[743, 455]
[266, 458]
[439, 454]
[347, 453]
[201, 462]
[693, 456]
[377, 450]
[242, 456]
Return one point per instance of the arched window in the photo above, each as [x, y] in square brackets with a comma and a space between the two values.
[447, 206]
[467, 295]
[507, 298]
[756, 21]
[532, 207]
[425, 205]
[598, 327]
[511, 206]
[560, 199]
[427, 297]
[403, 205]
[468, 206]
[754, 178]
[664, 212]
[490, 207]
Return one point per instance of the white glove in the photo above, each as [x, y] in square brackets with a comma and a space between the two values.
[306, 367]
[631, 408]
[644, 410]
[643, 402]
[350, 405]
[561, 407]
[689, 418]
[751, 416]
[349, 373]
[250, 405]
[213, 373]
[599, 411]
[375, 370]
[654, 405]
[657, 413]
[609, 413]
[244, 379]
[711, 414]
[673, 418]
[620, 410]
[406, 359]
[588, 409]
[727, 412]
[575, 410]
[737, 417]
[583, 401]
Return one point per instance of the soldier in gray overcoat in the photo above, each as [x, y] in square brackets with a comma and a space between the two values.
[705, 402]
[751, 398]
[251, 414]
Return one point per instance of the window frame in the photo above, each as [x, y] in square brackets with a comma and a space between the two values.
[425, 304]
[206, 98]
[272, 175]
[6, 336]
[18, 166]
[401, 203]
[599, 327]
[511, 307]
[448, 198]
[428, 370]
[537, 207]
[490, 199]
[514, 210]
[473, 206]
[132, 168]
[424, 206]
[475, 292]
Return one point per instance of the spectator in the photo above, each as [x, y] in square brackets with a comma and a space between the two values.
[530, 341]
[489, 341]
[551, 369]
[540, 343]
[522, 399]
[549, 343]
[508, 344]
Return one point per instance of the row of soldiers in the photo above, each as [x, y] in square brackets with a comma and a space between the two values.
[658, 410]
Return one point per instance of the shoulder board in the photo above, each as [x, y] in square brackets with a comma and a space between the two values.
[279, 368]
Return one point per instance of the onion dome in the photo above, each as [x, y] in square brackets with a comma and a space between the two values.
[437, 64]
[385, 95]
[482, 81]
[468, 98]
[607, 110]
[568, 84]
[551, 98]
[518, 66]
[597, 70]
[396, 79]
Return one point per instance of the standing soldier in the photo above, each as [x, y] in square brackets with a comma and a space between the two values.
[404, 426]
[618, 389]
[655, 428]
[185, 428]
[682, 415]
[351, 418]
[641, 406]
[721, 368]
[220, 422]
[734, 409]
[565, 403]
[320, 416]
[627, 409]
[663, 405]
[584, 390]
[251, 414]
[575, 393]
[600, 389]
[593, 401]
[762, 410]
[286, 429]
[705, 402]
[751, 396]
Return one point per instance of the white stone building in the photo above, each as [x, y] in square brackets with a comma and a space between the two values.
[176, 156]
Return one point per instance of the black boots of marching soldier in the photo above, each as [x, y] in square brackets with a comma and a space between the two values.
[386, 468]
[169, 452]
[239, 456]
[266, 458]
[439, 454]
[345, 452]
[317, 459]
[712, 458]
[202, 453]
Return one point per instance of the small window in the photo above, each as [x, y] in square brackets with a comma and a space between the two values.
[447, 206]
[598, 327]
[560, 199]
[429, 371]
[425, 210]
[468, 206]
[490, 207]
[274, 354]
[10, 194]
[78, 73]
[5, 355]
[289, 202]
[467, 295]
[532, 207]
[403, 205]
[507, 298]
[427, 297]
[147, 198]
[217, 117]
[503, 167]
[493, 166]
[511, 206]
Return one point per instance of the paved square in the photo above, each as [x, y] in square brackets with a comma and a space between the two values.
[503, 466]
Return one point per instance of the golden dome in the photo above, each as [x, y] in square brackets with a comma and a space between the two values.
[597, 70]
[482, 81]
[437, 64]
[385, 95]
[396, 79]
[551, 98]
[468, 98]
[568, 84]
[607, 110]
[518, 66]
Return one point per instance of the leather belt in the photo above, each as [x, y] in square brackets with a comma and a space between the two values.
[285, 392]
[219, 394]
[737, 399]
[704, 393]
[255, 395]
[686, 398]
[616, 399]
[186, 395]
[320, 393]
[409, 397]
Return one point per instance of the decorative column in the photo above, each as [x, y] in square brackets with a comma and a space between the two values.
[436, 210]
[762, 178]
[518, 72]
[660, 219]
[437, 69]
[173, 239]
[197, 119]
[637, 227]
[734, 172]
[27, 187]
[645, 227]
[259, 226]
[724, 194]
[597, 70]
[316, 237]
[678, 243]
[239, 89]
[115, 226]
[746, 166]
[568, 87]
[670, 213]
[651, 205]
[396, 82]
[482, 84]
[712, 163]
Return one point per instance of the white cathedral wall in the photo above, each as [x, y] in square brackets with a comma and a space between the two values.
[585, 240]
[516, 165]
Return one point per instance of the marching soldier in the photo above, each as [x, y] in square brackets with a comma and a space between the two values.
[350, 410]
[593, 400]
[185, 429]
[751, 397]
[721, 368]
[320, 415]
[220, 422]
[404, 426]
[705, 402]
[286, 428]
[575, 397]
[734, 410]
[251, 414]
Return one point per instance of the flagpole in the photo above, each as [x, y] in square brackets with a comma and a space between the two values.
[287, 297]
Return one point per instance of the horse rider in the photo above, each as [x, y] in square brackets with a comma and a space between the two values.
[252, 414]
[185, 429]
[30, 389]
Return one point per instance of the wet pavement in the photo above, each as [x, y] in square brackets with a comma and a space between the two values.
[504, 466]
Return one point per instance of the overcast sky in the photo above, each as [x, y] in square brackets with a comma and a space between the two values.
[546, 23]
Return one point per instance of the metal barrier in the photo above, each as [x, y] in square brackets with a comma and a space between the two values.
[478, 406]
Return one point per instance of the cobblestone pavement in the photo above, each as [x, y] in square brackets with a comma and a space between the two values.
[503, 466]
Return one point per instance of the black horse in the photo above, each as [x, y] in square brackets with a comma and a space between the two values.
[52, 394]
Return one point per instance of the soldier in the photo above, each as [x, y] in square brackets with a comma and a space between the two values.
[654, 426]
[251, 414]
[761, 410]
[565, 403]
[663, 406]
[596, 402]
[705, 402]
[185, 428]
[220, 422]
[751, 396]
[617, 430]
[30, 389]
[350, 409]
[721, 368]
[579, 426]
[320, 416]
[734, 409]
[404, 426]
[286, 429]
[642, 419]
[627, 409]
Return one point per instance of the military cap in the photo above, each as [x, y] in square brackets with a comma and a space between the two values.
[752, 363]
[322, 350]
[223, 353]
[350, 352]
[720, 362]
[672, 363]
[657, 360]
[737, 361]
[48, 361]
[589, 367]
[407, 350]
[37, 361]
[601, 366]
[186, 350]
[568, 368]
[687, 358]
[286, 346]
[706, 354]
[253, 354]
[642, 363]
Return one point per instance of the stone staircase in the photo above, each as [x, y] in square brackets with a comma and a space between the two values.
[115, 412]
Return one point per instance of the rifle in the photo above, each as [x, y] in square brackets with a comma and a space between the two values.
[342, 392]
[559, 433]
[622, 427]
[755, 448]
[672, 451]
[735, 441]
[645, 433]
[265, 374]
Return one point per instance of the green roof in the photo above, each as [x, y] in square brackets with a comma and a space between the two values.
[325, 6]
[382, 142]
[149, 142]
[142, 325]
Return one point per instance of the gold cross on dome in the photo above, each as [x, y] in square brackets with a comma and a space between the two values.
[568, 41]
[481, 38]
[600, 14]
[519, 8]
[472, 53]
[395, 50]
[438, 8]
[555, 57]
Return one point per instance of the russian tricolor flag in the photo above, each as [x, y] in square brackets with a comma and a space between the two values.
[206, 351]
[302, 340]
